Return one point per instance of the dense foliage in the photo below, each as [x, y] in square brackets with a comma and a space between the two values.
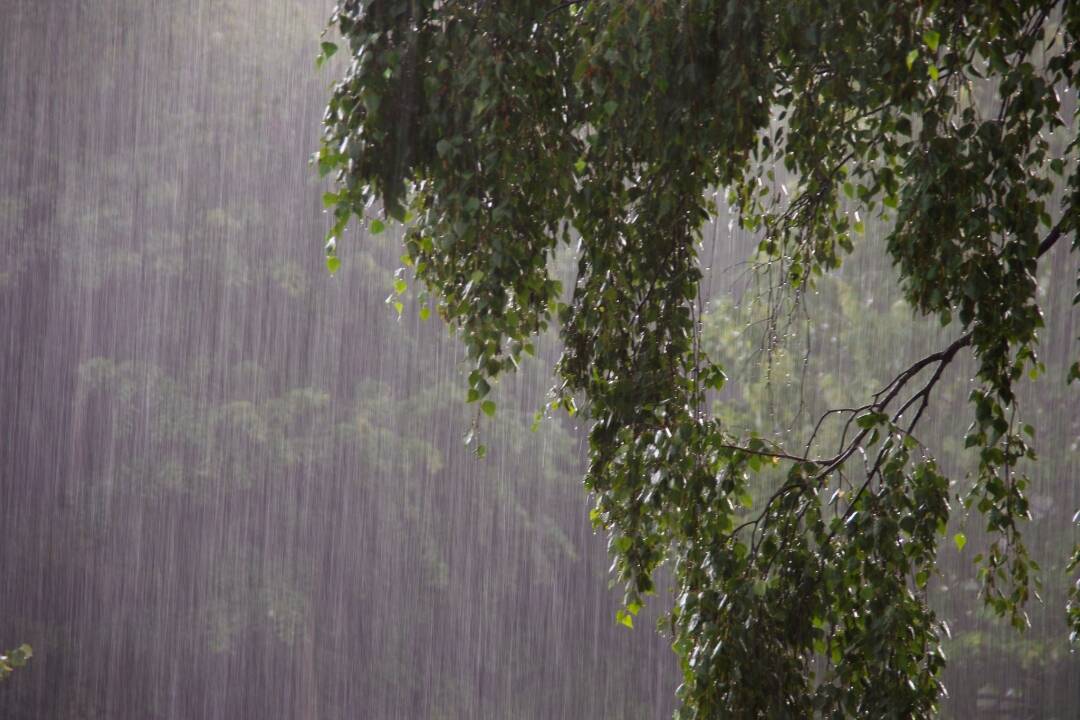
[499, 131]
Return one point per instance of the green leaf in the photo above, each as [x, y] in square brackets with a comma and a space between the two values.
[624, 618]
[488, 407]
[911, 58]
[338, 228]
[715, 378]
[329, 199]
[328, 50]
[326, 165]
[333, 264]
[960, 540]
[377, 226]
[931, 38]
[425, 313]
[400, 286]
[869, 420]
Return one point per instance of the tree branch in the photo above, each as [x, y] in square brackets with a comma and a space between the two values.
[881, 400]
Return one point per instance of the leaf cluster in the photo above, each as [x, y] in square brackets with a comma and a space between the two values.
[499, 131]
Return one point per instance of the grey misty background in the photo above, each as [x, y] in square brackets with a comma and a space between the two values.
[232, 486]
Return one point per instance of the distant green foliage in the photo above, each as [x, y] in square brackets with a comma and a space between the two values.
[500, 131]
[216, 488]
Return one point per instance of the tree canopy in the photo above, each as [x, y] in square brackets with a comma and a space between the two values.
[499, 132]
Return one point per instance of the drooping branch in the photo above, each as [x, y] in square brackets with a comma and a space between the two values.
[881, 401]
